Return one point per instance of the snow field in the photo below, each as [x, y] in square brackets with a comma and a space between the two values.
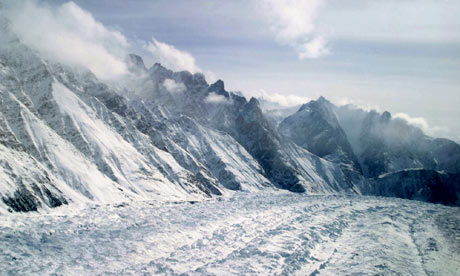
[248, 234]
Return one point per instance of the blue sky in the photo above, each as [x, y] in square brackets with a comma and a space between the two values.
[396, 55]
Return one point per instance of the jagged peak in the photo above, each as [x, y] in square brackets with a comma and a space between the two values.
[157, 66]
[254, 102]
[219, 84]
[219, 88]
[318, 103]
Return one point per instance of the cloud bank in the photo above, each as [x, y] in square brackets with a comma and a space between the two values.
[70, 35]
[293, 24]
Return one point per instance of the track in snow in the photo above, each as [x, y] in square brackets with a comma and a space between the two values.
[263, 234]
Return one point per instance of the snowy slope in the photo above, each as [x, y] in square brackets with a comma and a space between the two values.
[72, 142]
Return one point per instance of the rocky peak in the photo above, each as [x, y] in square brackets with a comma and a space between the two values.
[218, 88]
[158, 69]
[135, 63]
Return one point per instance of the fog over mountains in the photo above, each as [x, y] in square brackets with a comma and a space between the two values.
[66, 137]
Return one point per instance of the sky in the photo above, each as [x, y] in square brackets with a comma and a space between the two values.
[397, 55]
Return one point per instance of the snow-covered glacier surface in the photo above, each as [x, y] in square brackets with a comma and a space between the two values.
[246, 234]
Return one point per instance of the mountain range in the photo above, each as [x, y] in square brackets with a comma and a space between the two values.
[67, 137]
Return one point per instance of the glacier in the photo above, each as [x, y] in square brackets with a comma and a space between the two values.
[265, 233]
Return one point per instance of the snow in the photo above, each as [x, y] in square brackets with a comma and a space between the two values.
[122, 157]
[247, 234]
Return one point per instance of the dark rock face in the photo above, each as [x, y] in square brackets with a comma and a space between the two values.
[424, 185]
[447, 155]
[315, 128]
[24, 200]
[218, 88]
[259, 137]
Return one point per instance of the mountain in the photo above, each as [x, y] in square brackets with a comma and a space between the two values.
[396, 159]
[316, 128]
[384, 144]
[418, 184]
[67, 137]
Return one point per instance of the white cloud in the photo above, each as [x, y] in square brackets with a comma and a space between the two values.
[215, 98]
[171, 57]
[70, 35]
[293, 23]
[313, 49]
[280, 99]
[419, 122]
[175, 59]
[173, 87]
[415, 121]
[356, 103]
[211, 77]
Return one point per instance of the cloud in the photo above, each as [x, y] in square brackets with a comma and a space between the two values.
[215, 98]
[293, 23]
[175, 59]
[69, 34]
[280, 99]
[171, 57]
[418, 122]
[173, 87]
[356, 104]
[415, 121]
[314, 49]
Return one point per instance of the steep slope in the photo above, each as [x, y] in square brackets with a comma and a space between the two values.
[396, 158]
[315, 127]
[286, 164]
[214, 107]
[73, 141]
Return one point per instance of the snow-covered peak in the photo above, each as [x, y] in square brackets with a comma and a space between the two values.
[315, 127]
[320, 107]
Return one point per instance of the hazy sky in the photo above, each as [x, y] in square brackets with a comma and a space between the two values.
[396, 55]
